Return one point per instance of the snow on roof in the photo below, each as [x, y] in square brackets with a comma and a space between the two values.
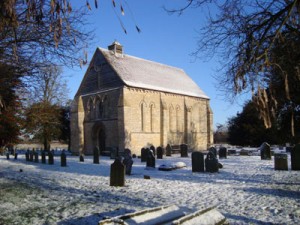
[141, 73]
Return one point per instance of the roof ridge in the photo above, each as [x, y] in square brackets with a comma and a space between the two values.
[142, 59]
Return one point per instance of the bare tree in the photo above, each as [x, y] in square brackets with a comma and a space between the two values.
[244, 34]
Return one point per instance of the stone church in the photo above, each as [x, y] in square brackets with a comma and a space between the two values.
[128, 102]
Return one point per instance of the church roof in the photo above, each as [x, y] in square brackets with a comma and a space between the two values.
[141, 73]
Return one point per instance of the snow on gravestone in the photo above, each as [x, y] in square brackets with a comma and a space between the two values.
[211, 163]
[150, 159]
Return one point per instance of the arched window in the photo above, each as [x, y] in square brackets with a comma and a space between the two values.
[90, 108]
[151, 116]
[143, 116]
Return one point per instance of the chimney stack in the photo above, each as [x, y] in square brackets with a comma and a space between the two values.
[116, 47]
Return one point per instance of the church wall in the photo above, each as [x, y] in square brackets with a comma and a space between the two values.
[101, 113]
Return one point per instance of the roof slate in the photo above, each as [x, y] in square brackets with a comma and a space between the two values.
[141, 73]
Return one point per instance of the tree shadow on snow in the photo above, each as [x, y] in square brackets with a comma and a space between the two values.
[276, 192]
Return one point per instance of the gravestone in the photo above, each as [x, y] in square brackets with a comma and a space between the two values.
[81, 158]
[223, 153]
[7, 155]
[27, 155]
[36, 157]
[117, 173]
[265, 151]
[197, 162]
[168, 150]
[50, 158]
[280, 161]
[63, 159]
[295, 157]
[127, 161]
[184, 150]
[213, 150]
[43, 156]
[16, 155]
[144, 154]
[150, 159]
[153, 149]
[159, 152]
[96, 154]
[113, 153]
[31, 155]
[211, 163]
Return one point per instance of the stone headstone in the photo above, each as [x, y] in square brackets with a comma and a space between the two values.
[16, 155]
[280, 161]
[63, 159]
[223, 153]
[113, 152]
[265, 151]
[153, 149]
[96, 154]
[117, 173]
[213, 150]
[43, 156]
[36, 157]
[150, 159]
[168, 150]
[127, 161]
[197, 162]
[50, 158]
[144, 154]
[27, 155]
[159, 152]
[295, 157]
[211, 163]
[81, 158]
[31, 156]
[7, 155]
[184, 150]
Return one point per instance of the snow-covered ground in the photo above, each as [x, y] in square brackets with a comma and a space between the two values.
[246, 191]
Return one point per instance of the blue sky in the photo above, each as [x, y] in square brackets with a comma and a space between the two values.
[167, 39]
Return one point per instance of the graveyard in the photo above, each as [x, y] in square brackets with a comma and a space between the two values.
[246, 189]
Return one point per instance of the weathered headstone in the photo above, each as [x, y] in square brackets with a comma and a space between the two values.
[81, 158]
[168, 150]
[159, 152]
[184, 150]
[50, 158]
[144, 154]
[7, 155]
[295, 157]
[96, 154]
[127, 161]
[63, 159]
[16, 155]
[211, 163]
[213, 150]
[265, 151]
[43, 156]
[150, 159]
[117, 173]
[27, 155]
[153, 149]
[197, 162]
[36, 157]
[223, 153]
[280, 161]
